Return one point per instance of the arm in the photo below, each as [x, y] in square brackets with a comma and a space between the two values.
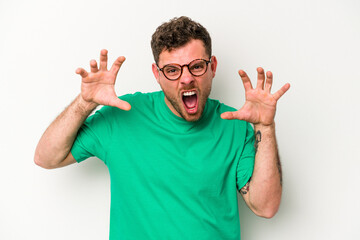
[262, 193]
[97, 87]
[53, 149]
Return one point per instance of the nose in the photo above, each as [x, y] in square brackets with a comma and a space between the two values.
[186, 77]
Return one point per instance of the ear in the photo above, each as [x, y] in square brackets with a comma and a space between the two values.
[155, 72]
[213, 65]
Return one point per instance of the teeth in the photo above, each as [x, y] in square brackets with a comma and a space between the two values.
[189, 93]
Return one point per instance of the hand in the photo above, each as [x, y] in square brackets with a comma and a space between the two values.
[260, 104]
[97, 86]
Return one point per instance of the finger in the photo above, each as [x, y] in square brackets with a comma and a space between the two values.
[261, 78]
[246, 80]
[281, 91]
[103, 59]
[116, 102]
[269, 81]
[117, 64]
[93, 66]
[227, 115]
[240, 115]
[81, 72]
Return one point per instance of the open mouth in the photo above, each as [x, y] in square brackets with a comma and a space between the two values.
[190, 100]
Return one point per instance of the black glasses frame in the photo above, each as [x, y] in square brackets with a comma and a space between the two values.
[185, 65]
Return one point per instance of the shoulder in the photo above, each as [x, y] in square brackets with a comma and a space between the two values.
[140, 97]
[216, 108]
[139, 102]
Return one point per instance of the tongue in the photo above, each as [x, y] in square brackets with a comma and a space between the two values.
[190, 101]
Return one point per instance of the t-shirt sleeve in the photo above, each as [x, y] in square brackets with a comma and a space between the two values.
[245, 165]
[93, 137]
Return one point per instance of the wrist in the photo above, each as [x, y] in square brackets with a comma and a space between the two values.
[264, 128]
[260, 125]
[85, 106]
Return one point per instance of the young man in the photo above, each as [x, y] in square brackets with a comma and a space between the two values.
[175, 159]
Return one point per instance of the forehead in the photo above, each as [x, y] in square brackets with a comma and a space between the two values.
[183, 55]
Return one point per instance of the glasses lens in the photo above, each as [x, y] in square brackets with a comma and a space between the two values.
[198, 67]
[172, 71]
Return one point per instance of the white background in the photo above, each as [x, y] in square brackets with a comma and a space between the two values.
[313, 44]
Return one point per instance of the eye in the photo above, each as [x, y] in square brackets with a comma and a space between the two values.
[171, 70]
[197, 67]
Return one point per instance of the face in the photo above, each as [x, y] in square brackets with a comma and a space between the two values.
[186, 97]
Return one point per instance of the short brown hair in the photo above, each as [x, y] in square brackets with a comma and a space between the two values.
[176, 33]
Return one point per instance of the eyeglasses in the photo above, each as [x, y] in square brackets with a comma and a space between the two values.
[197, 68]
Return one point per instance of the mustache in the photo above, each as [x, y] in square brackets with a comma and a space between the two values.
[190, 87]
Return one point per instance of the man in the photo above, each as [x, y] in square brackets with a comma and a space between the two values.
[175, 159]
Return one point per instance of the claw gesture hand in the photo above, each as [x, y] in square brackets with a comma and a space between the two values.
[97, 86]
[260, 104]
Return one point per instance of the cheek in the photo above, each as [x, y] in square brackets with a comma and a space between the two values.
[207, 83]
[168, 86]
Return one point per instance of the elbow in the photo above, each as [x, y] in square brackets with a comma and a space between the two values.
[41, 163]
[267, 213]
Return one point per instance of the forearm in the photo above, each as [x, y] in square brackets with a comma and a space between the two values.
[56, 142]
[265, 186]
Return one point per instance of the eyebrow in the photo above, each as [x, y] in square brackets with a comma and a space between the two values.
[201, 58]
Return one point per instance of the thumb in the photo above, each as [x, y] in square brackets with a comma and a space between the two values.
[233, 115]
[123, 105]
[228, 115]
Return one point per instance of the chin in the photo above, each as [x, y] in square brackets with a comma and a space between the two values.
[190, 112]
[192, 117]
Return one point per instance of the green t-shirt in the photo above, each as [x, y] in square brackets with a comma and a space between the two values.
[170, 179]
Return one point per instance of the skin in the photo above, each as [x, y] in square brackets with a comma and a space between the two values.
[97, 88]
[262, 193]
[173, 89]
